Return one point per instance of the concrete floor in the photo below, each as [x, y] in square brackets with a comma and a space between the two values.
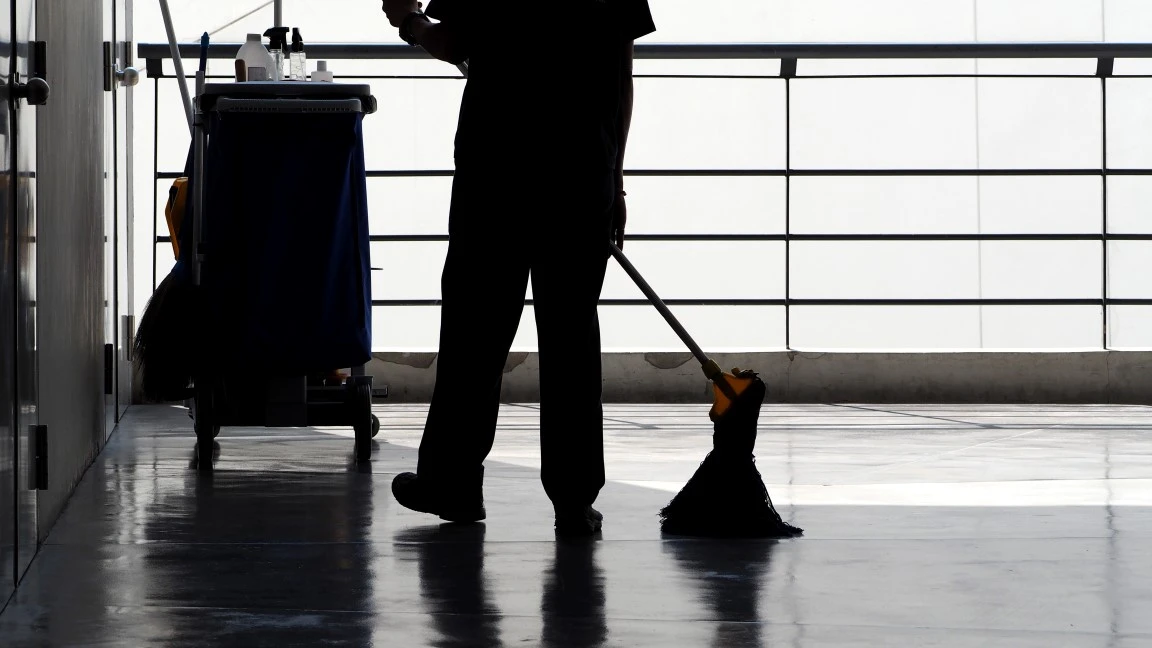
[926, 526]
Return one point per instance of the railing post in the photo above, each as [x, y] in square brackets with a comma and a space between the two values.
[1104, 69]
[788, 72]
[155, 173]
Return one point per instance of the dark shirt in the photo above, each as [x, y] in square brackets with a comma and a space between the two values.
[551, 100]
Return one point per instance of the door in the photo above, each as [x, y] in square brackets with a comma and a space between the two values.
[28, 63]
[70, 246]
[9, 530]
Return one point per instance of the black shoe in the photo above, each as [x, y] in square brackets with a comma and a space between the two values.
[578, 521]
[451, 504]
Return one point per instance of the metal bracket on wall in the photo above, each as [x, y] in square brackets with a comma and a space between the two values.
[109, 67]
[109, 369]
[1105, 67]
[40, 439]
[128, 327]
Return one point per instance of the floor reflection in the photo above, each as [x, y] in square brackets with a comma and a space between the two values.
[573, 601]
[728, 578]
[454, 589]
[247, 557]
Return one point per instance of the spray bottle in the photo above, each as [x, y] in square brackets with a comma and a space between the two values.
[298, 70]
[278, 43]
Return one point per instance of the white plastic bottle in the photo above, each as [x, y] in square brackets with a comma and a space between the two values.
[322, 73]
[258, 62]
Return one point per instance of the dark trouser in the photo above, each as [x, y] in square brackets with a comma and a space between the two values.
[505, 227]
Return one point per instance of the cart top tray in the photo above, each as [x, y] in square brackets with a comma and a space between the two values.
[287, 90]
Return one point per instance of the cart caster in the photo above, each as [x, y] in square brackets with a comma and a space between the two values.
[361, 411]
[375, 426]
[205, 425]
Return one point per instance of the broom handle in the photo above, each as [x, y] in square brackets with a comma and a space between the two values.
[711, 369]
[177, 61]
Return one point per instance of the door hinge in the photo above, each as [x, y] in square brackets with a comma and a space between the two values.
[39, 64]
[109, 67]
[40, 441]
[109, 369]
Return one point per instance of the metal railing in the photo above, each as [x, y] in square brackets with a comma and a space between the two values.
[1104, 55]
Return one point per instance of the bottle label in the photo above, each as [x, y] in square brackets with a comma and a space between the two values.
[257, 74]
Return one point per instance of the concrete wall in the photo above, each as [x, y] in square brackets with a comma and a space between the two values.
[1074, 377]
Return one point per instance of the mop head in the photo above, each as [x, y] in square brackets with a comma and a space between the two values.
[164, 351]
[727, 497]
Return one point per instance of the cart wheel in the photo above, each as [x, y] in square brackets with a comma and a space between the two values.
[205, 424]
[375, 426]
[361, 411]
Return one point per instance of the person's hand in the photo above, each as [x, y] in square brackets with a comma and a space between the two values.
[619, 219]
[398, 10]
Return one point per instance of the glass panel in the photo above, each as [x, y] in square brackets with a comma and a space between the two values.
[883, 124]
[1129, 269]
[1129, 123]
[1040, 124]
[716, 329]
[1130, 327]
[707, 124]
[1129, 198]
[701, 270]
[925, 328]
[1041, 270]
[885, 270]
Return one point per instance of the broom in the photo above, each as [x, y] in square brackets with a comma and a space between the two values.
[165, 352]
[726, 497]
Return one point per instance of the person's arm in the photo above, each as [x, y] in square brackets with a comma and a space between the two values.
[624, 124]
[440, 40]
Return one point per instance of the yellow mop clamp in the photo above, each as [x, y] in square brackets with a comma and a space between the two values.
[727, 386]
[174, 211]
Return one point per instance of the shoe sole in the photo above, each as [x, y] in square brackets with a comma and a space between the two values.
[576, 529]
[462, 517]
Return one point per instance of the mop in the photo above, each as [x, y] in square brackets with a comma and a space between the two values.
[165, 353]
[726, 497]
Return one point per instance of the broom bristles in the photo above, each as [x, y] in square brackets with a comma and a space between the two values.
[164, 349]
[727, 497]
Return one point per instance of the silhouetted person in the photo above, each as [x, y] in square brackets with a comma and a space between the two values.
[538, 192]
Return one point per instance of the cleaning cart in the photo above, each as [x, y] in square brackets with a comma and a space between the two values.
[281, 264]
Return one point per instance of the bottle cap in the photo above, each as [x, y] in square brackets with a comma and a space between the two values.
[297, 40]
[321, 66]
[278, 38]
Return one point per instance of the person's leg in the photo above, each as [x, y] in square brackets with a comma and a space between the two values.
[483, 287]
[567, 277]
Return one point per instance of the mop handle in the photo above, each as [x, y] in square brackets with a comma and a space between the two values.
[176, 60]
[711, 369]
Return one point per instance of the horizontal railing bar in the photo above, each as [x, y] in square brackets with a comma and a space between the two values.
[748, 238]
[384, 303]
[758, 238]
[739, 77]
[738, 173]
[705, 51]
